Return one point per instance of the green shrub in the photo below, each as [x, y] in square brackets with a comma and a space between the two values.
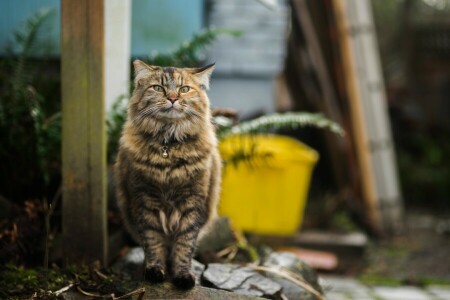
[30, 132]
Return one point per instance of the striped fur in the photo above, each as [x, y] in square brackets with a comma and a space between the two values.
[167, 203]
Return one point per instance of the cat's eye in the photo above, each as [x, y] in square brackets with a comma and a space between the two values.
[184, 89]
[158, 88]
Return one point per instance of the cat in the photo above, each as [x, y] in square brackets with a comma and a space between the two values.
[168, 168]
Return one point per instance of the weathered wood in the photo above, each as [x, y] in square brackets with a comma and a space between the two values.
[359, 127]
[374, 104]
[328, 103]
[84, 136]
[354, 242]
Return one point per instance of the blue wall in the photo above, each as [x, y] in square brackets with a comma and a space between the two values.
[161, 25]
[13, 14]
[157, 25]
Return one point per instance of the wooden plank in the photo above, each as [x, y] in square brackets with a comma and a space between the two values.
[359, 127]
[335, 144]
[371, 88]
[317, 59]
[374, 103]
[84, 136]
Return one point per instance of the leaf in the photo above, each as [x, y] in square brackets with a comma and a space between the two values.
[277, 121]
[190, 53]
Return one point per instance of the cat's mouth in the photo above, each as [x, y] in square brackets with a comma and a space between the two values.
[172, 111]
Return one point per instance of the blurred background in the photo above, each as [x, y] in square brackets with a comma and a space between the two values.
[372, 203]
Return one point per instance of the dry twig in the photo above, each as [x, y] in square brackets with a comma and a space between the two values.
[64, 289]
[139, 291]
[291, 276]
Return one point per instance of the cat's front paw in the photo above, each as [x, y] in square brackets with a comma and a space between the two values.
[184, 281]
[155, 274]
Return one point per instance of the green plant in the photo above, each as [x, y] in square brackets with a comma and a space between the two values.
[278, 121]
[190, 53]
[115, 120]
[30, 132]
[270, 123]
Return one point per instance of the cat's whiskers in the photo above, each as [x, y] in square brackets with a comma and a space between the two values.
[147, 112]
[193, 113]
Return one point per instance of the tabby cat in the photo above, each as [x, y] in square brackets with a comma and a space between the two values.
[168, 168]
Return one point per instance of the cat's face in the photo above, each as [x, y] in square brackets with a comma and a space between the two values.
[169, 94]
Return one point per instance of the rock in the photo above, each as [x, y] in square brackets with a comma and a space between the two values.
[197, 268]
[241, 280]
[219, 236]
[294, 264]
[132, 265]
[167, 291]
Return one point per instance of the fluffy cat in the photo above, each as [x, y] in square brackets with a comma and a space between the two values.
[168, 168]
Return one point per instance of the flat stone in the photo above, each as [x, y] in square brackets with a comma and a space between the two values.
[219, 236]
[402, 293]
[355, 239]
[295, 265]
[336, 296]
[242, 280]
[168, 291]
[131, 264]
[342, 284]
[440, 292]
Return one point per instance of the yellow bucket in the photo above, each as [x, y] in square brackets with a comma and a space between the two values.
[265, 182]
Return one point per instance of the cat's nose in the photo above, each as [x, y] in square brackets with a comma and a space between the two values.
[172, 99]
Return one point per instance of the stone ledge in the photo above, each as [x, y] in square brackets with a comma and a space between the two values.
[168, 291]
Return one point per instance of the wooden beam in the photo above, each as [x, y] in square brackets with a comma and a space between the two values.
[329, 105]
[373, 99]
[84, 135]
[359, 126]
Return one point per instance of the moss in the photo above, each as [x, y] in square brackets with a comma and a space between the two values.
[427, 281]
[19, 282]
[372, 279]
[380, 280]
[22, 283]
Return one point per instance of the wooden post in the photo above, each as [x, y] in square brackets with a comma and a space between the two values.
[84, 135]
[335, 144]
[362, 38]
[369, 111]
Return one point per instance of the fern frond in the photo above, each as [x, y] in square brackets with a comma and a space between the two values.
[114, 123]
[25, 39]
[190, 53]
[277, 121]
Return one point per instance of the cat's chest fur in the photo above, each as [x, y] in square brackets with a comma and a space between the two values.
[186, 162]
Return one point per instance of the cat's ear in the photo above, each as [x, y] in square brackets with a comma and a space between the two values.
[203, 75]
[141, 71]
